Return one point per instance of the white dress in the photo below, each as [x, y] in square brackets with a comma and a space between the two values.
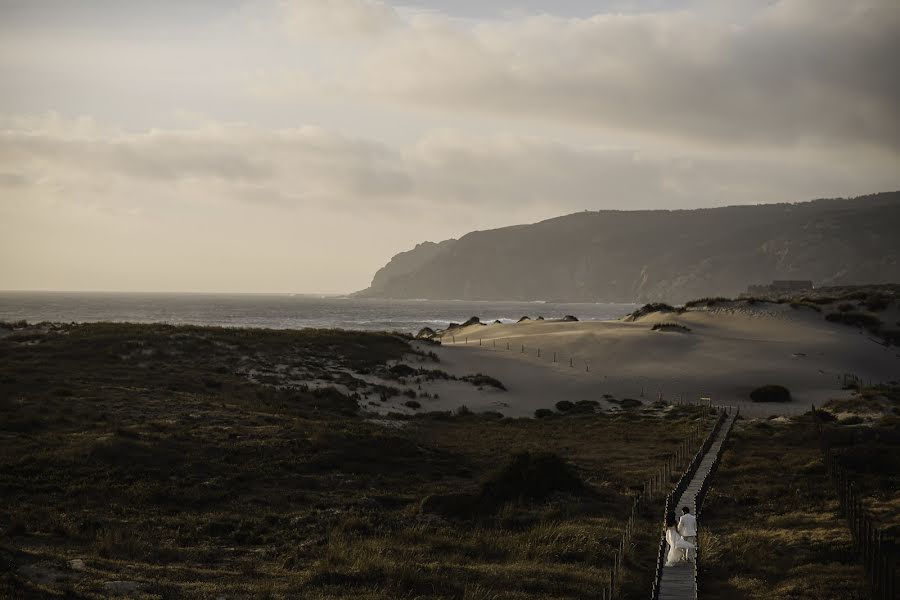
[676, 544]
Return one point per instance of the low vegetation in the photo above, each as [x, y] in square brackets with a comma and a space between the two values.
[864, 435]
[806, 304]
[707, 302]
[653, 307]
[670, 327]
[771, 393]
[865, 321]
[772, 527]
[183, 462]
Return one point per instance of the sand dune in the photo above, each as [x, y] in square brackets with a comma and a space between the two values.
[728, 352]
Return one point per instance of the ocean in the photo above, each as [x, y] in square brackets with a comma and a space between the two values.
[281, 311]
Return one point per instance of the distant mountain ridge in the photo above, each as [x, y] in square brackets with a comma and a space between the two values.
[648, 255]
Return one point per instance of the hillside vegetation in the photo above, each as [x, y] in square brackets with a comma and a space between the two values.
[628, 256]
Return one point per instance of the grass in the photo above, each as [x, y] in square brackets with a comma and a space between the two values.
[652, 307]
[865, 440]
[670, 327]
[772, 528]
[707, 302]
[179, 458]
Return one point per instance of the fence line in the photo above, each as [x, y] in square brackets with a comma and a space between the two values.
[679, 488]
[747, 409]
[651, 490]
[868, 540]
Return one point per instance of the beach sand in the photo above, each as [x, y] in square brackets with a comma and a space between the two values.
[729, 351]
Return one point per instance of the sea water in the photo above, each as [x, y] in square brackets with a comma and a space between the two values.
[282, 311]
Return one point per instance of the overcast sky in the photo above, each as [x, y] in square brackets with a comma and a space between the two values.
[296, 145]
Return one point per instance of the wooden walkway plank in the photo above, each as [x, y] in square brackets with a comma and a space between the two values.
[679, 582]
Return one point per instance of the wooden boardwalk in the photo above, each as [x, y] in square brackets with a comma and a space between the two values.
[679, 582]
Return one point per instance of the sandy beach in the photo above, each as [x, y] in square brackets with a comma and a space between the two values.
[727, 352]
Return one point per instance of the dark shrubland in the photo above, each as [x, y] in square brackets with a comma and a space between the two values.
[180, 458]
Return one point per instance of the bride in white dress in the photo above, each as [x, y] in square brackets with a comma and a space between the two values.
[675, 541]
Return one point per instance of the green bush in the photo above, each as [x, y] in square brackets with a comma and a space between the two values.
[771, 393]
[529, 476]
[706, 302]
[670, 327]
[480, 379]
[653, 307]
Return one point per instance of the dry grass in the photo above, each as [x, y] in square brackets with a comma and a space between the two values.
[149, 453]
[772, 529]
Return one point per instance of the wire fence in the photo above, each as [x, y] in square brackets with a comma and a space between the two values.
[726, 417]
[876, 551]
[685, 457]
[641, 390]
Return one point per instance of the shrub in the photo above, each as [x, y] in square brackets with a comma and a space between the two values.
[825, 416]
[401, 370]
[628, 403]
[876, 303]
[525, 477]
[805, 304]
[413, 404]
[652, 307]
[856, 319]
[543, 413]
[706, 302]
[585, 406]
[480, 379]
[670, 327]
[529, 476]
[564, 405]
[771, 393]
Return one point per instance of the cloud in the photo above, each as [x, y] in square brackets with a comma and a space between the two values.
[322, 18]
[792, 72]
[238, 207]
[445, 173]
[305, 163]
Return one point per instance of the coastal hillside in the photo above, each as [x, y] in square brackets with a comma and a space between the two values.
[672, 255]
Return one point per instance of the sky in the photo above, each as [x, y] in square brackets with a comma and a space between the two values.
[297, 145]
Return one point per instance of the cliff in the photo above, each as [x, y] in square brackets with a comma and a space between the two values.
[643, 256]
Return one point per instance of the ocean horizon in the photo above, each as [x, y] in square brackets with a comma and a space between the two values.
[283, 310]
